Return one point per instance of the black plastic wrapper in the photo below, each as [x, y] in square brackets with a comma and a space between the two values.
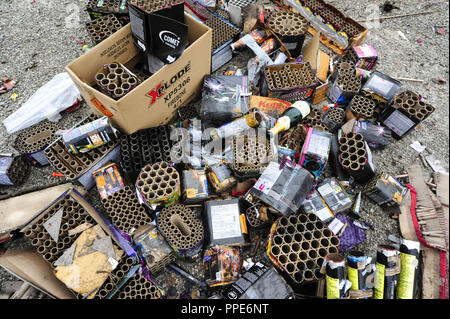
[386, 279]
[335, 274]
[224, 99]
[261, 281]
[283, 186]
[376, 136]
[409, 274]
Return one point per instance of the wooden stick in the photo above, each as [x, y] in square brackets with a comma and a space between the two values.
[399, 15]
[409, 79]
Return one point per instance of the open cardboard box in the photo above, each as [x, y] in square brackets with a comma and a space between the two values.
[28, 265]
[155, 101]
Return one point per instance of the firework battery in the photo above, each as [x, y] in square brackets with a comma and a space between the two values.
[153, 248]
[334, 118]
[376, 136]
[108, 180]
[222, 265]
[195, 186]
[100, 8]
[387, 270]
[356, 269]
[385, 190]
[284, 187]
[314, 154]
[344, 88]
[182, 229]
[291, 28]
[381, 86]
[89, 136]
[260, 281]
[226, 223]
[236, 8]
[101, 28]
[409, 274]
[159, 28]
[14, 170]
[32, 141]
[334, 195]
[406, 111]
[335, 276]
[221, 178]
[158, 183]
[315, 204]
[290, 81]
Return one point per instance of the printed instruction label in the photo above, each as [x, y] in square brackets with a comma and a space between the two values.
[225, 221]
[398, 122]
[268, 178]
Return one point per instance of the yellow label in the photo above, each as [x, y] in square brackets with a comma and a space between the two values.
[379, 281]
[101, 181]
[243, 224]
[406, 278]
[190, 192]
[332, 288]
[353, 277]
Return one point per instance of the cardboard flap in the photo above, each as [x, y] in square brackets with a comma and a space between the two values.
[17, 211]
[319, 60]
[29, 266]
[310, 50]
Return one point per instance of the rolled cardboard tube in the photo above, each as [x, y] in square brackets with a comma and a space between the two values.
[308, 275]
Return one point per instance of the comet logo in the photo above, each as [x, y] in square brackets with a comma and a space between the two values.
[169, 38]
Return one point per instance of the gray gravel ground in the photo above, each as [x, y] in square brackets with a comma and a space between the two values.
[37, 43]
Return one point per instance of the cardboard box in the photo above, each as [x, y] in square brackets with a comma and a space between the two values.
[155, 101]
[37, 262]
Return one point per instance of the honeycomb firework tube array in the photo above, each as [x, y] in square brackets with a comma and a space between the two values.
[73, 166]
[124, 210]
[298, 245]
[114, 6]
[290, 27]
[354, 156]
[314, 120]
[347, 80]
[140, 287]
[143, 147]
[117, 275]
[187, 112]
[362, 107]
[289, 75]
[412, 106]
[103, 27]
[222, 31]
[158, 183]
[115, 80]
[182, 229]
[34, 139]
[153, 5]
[334, 118]
[14, 170]
[73, 215]
[250, 155]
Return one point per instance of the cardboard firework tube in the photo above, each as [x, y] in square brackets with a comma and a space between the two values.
[409, 275]
[113, 78]
[335, 273]
[356, 264]
[386, 261]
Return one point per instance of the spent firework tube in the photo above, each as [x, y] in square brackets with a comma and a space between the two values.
[386, 272]
[335, 274]
[356, 265]
[258, 35]
[409, 273]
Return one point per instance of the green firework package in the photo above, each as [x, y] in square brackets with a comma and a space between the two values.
[89, 136]
[283, 186]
